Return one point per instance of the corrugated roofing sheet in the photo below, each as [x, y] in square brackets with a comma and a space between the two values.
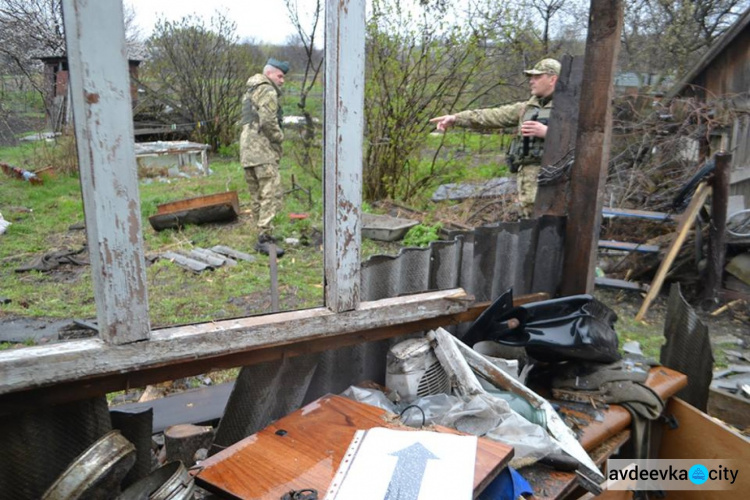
[526, 256]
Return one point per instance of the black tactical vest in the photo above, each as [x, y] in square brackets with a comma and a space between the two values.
[528, 150]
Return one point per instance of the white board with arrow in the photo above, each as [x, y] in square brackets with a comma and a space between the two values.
[388, 464]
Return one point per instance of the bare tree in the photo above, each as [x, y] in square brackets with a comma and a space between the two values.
[201, 70]
[306, 38]
[420, 64]
[665, 38]
[547, 9]
[30, 29]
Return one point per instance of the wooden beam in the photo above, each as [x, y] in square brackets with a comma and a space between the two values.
[717, 231]
[686, 222]
[559, 145]
[343, 136]
[39, 375]
[245, 346]
[100, 99]
[589, 172]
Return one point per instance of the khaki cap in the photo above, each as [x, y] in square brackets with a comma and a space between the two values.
[544, 67]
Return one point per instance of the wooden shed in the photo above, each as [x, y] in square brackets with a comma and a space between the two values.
[723, 74]
[56, 73]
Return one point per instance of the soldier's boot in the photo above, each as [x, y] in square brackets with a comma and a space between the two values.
[265, 241]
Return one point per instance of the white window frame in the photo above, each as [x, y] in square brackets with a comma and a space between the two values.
[127, 353]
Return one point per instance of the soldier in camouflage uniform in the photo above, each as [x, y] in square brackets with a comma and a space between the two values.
[531, 117]
[260, 146]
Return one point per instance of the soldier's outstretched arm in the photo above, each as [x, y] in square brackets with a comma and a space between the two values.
[500, 117]
[444, 122]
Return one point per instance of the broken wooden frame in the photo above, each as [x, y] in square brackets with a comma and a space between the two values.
[127, 353]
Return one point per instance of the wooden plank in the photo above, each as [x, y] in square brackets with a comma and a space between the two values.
[205, 351]
[732, 409]
[344, 132]
[204, 215]
[628, 246]
[100, 99]
[559, 144]
[40, 375]
[717, 230]
[305, 448]
[589, 172]
[700, 436]
[220, 207]
[199, 202]
[682, 230]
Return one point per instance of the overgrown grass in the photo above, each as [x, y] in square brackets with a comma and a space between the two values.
[42, 214]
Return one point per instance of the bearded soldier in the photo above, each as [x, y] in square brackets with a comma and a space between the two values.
[260, 147]
[531, 117]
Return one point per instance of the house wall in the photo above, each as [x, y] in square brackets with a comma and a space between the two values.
[729, 72]
[728, 76]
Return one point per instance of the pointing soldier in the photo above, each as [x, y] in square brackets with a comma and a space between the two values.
[260, 146]
[531, 117]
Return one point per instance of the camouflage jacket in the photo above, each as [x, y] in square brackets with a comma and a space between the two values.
[501, 117]
[261, 137]
[520, 152]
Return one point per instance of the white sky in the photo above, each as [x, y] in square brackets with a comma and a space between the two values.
[265, 20]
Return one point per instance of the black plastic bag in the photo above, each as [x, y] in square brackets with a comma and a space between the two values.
[578, 327]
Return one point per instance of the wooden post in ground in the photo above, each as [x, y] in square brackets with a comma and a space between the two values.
[718, 229]
[592, 147]
[559, 145]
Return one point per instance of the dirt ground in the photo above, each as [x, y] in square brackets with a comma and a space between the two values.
[734, 321]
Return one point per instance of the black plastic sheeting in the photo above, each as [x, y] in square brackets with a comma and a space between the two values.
[525, 255]
[688, 349]
[574, 328]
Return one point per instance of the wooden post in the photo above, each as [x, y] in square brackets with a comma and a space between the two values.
[718, 228]
[559, 145]
[273, 265]
[592, 146]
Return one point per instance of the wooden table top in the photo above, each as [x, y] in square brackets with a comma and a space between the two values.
[601, 431]
[304, 449]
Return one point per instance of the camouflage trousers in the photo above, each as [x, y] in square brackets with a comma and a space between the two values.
[527, 183]
[264, 184]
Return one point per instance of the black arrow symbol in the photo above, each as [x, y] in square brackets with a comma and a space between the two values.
[407, 477]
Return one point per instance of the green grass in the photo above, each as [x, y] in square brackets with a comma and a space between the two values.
[649, 336]
[41, 215]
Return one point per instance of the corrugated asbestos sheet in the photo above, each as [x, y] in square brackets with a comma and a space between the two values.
[688, 349]
[526, 256]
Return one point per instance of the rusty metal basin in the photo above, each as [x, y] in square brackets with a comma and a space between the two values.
[97, 472]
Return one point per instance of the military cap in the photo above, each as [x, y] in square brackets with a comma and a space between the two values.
[544, 67]
[282, 65]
